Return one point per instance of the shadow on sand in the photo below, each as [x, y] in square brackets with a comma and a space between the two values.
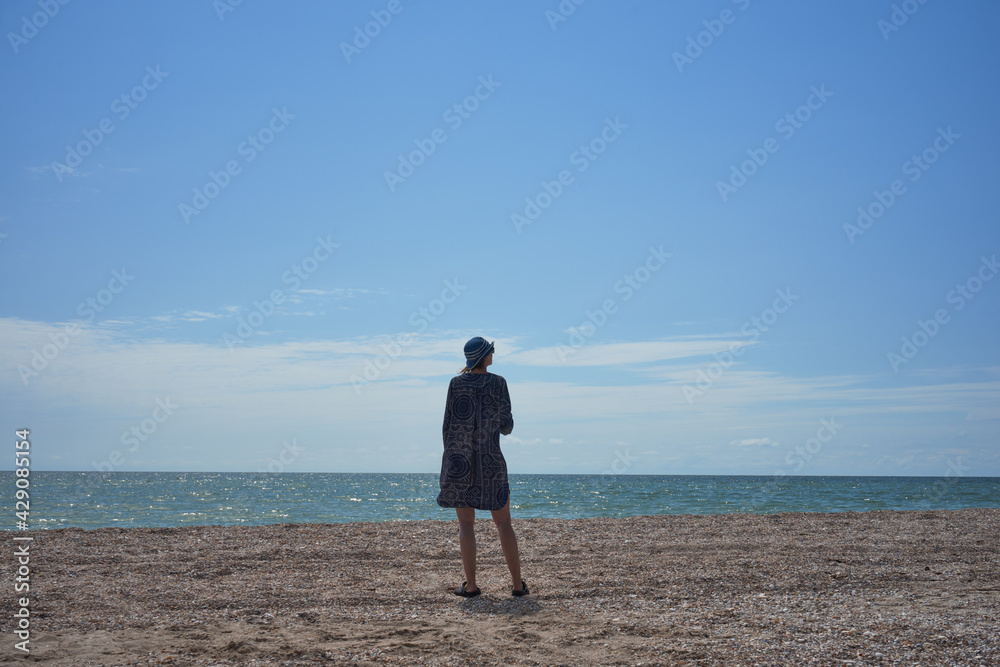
[484, 604]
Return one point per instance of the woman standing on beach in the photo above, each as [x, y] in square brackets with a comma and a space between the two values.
[473, 470]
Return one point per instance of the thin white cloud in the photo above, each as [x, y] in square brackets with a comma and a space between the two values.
[531, 442]
[514, 440]
[173, 318]
[754, 442]
[199, 316]
[622, 354]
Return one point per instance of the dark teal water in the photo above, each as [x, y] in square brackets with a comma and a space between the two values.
[96, 499]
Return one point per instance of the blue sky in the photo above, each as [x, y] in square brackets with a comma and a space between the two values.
[258, 239]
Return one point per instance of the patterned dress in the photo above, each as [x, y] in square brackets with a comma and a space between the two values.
[473, 470]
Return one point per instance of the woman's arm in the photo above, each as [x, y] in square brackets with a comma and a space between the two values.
[505, 416]
[447, 417]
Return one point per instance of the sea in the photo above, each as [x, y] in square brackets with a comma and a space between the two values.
[91, 500]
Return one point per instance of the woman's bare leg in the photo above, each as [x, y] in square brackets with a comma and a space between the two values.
[508, 540]
[467, 545]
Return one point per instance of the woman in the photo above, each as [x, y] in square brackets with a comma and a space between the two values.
[473, 470]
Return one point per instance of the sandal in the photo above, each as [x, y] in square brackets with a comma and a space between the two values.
[464, 593]
[523, 591]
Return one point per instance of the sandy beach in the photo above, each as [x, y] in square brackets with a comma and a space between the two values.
[874, 588]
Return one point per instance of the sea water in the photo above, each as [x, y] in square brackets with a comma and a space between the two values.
[131, 499]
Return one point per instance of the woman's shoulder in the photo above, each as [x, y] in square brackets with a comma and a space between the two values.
[487, 378]
[495, 379]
